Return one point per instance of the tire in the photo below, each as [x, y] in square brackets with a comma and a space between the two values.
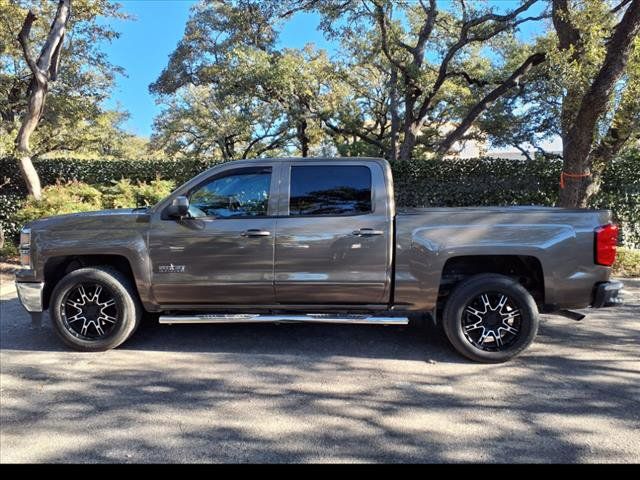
[489, 336]
[79, 311]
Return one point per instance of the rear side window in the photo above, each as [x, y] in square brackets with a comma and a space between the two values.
[330, 190]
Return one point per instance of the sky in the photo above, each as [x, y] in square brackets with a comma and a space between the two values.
[146, 42]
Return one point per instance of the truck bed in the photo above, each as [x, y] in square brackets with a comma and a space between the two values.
[561, 240]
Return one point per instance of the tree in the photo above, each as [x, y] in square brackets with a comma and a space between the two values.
[598, 64]
[199, 122]
[236, 94]
[405, 33]
[74, 119]
[44, 70]
[410, 75]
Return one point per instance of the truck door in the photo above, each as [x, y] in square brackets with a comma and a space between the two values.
[223, 253]
[334, 234]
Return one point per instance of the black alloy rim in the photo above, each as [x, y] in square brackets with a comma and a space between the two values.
[89, 311]
[492, 322]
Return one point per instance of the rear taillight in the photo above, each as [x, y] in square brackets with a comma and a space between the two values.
[606, 241]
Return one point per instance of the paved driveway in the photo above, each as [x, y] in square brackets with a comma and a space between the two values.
[304, 393]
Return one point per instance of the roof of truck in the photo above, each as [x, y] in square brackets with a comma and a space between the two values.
[312, 159]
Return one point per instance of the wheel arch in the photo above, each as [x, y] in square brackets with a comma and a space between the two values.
[526, 269]
[56, 268]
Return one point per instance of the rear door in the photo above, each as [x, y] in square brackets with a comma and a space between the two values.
[334, 234]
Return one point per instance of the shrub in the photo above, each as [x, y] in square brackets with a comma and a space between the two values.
[121, 194]
[154, 191]
[100, 172]
[59, 199]
[125, 194]
[10, 225]
[486, 181]
[8, 252]
[627, 263]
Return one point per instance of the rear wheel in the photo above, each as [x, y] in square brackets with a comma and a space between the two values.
[490, 318]
[94, 309]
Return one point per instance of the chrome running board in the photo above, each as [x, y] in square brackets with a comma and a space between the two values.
[255, 318]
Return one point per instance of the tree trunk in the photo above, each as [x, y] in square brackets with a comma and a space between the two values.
[29, 124]
[302, 137]
[44, 70]
[577, 183]
[575, 180]
[392, 154]
[408, 143]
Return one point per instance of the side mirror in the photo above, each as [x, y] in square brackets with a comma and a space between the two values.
[179, 208]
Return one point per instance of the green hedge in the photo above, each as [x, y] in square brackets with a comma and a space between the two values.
[484, 181]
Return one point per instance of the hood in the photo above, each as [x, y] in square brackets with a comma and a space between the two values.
[90, 220]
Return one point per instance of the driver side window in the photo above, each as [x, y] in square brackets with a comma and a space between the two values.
[241, 193]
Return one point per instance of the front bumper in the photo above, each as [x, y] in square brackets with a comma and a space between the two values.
[607, 294]
[30, 295]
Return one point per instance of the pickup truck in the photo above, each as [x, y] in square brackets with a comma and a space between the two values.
[315, 240]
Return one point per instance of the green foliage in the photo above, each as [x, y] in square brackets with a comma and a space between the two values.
[74, 118]
[124, 193]
[75, 196]
[9, 206]
[627, 263]
[487, 181]
[101, 172]
[620, 192]
[399, 66]
[59, 199]
[9, 251]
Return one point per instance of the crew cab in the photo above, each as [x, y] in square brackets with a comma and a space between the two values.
[315, 240]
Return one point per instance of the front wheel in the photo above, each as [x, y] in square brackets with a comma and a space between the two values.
[490, 318]
[94, 309]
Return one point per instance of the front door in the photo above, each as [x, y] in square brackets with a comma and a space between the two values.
[223, 253]
[333, 242]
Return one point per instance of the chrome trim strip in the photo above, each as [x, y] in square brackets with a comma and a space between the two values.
[251, 318]
[30, 295]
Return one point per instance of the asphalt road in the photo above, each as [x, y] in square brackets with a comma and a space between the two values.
[313, 393]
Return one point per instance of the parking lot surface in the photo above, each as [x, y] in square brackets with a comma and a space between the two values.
[321, 393]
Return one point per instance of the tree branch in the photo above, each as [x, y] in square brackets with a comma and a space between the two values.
[524, 151]
[595, 102]
[568, 35]
[55, 61]
[465, 39]
[382, 23]
[620, 6]
[23, 38]
[492, 96]
[56, 34]
[345, 131]
[470, 80]
[262, 137]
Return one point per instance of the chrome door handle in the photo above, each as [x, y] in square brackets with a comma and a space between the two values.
[367, 232]
[254, 232]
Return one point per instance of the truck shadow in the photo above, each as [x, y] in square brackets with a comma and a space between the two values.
[363, 341]
[302, 393]
[426, 343]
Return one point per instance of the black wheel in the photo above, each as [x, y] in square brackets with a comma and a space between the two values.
[94, 309]
[490, 318]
